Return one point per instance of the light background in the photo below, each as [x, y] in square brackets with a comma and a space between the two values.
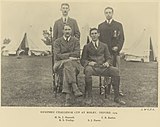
[34, 17]
[30, 117]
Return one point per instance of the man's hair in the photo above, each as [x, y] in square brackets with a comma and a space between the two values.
[109, 8]
[67, 25]
[91, 29]
[64, 4]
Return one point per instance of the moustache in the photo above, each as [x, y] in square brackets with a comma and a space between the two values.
[67, 33]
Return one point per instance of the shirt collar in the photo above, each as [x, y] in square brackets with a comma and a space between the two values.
[109, 21]
[66, 38]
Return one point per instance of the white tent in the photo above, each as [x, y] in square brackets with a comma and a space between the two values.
[142, 50]
[27, 47]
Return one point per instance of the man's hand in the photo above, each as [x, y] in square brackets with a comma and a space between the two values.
[106, 64]
[92, 63]
[115, 48]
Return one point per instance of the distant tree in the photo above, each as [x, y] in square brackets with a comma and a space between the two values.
[46, 37]
[6, 41]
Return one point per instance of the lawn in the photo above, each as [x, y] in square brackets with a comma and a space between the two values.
[27, 82]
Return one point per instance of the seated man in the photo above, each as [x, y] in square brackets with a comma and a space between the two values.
[66, 54]
[96, 60]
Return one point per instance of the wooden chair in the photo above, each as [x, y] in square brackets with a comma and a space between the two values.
[103, 84]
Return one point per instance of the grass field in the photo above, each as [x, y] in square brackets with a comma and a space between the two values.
[28, 82]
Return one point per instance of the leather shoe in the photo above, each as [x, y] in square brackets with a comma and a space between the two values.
[121, 94]
[88, 101]
[77, 93]
[119, 101]
[68, 100]
[67, 104]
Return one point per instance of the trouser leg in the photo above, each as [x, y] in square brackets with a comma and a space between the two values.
[115, 83]
[69, 77]
[88, 79]
[88, 82]
[116, 63]
[114, 60]
[118, 60]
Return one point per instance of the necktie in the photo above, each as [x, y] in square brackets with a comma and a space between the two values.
[67, 39]
[96, 45]
[65, 20]
[108, 21]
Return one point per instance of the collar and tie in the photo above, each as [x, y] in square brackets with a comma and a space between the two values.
[95, 44]
[67, 38]
[109, 21]
[65, 20]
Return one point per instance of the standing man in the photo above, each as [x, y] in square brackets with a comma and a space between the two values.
[65, 19]
[111, 33]
[66, 53]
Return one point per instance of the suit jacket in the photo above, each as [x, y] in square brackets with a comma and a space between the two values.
[99, 55]
[112, 34]
[58, 28]
[63, 50]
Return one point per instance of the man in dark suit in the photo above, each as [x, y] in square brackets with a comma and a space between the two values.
[96, 60]
[111, 33]
[65, 19]
[66, 53]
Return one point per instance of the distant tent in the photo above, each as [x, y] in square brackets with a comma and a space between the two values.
[26, 47]
[142, 50]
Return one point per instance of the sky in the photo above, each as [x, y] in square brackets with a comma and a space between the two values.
[34, 17]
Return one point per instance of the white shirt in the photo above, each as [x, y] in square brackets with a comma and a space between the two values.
[66, 38]
[109, 21]
[94, 43]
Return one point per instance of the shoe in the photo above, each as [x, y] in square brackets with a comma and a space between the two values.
[78, 93]
[121, 94]
[68, 100]
[119, 101]
[67, 104]
[88, 101]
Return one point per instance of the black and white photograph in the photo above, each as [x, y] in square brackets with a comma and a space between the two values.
[79, 54]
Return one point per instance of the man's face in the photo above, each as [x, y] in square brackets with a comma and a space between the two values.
[67, 31]
[108, 13]
[94, 35]
[65, 9]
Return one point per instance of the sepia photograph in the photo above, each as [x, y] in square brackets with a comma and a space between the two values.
[79, 54]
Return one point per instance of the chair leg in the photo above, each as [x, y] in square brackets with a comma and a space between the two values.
[100, 84]
[109, 89]
[85, 91]
[55, 90]
[54, 86]
[105, 92]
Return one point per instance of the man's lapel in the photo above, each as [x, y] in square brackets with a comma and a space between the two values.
[99, 46]
[61, 21]
[69, 20]
[112, 22]
[92, 47]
